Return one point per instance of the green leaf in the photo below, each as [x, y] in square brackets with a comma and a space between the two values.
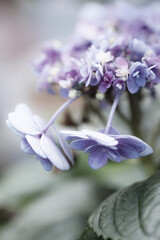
[129, 214]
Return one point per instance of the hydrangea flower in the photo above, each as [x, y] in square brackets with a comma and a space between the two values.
[138, 76]
[102, 147]
[36, 141]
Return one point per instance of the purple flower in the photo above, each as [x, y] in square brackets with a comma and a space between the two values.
[107, 79]
[138, 76]
[34, 140]
[102, 147]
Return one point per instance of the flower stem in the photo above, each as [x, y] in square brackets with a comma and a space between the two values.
[113, 108]
[60, 110]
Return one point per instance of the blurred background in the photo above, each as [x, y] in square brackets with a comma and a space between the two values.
[35, 204]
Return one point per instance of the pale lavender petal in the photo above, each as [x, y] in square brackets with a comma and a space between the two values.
[22, 120]
[65, 146]
[127, 151]
[35, 145]
[26, 147]
[47, 165]
[121, 62]
[39, 122]
[73, 134]
[82, 144]
[53, 153]
[14, 129]
[97, 158]
[101, 138]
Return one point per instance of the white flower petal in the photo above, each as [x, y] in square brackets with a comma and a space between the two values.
[53, 153]
[35, 145]
[22, 120]
[101, 138]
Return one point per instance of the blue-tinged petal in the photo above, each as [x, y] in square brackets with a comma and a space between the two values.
[47, 165]
[114, 155]
[93, 148]
[34, 142]
[82, 144]
[141, 82]
[127, 151]
[132, 86]
[97, 158]
[53, 153]
[101, 138]
[65, 146]
[132, 141]
[14, 129]
[148, 150]
[26, 147]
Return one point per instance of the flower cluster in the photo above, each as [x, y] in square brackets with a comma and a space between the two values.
[108, 54]
[125, 55]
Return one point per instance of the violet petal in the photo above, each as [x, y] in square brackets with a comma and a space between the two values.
[97, 158]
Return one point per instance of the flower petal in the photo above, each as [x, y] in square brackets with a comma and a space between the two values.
[82, 144]
[101, 138]
[131, 141]
[72, 135]
[39, 122]
[14, 129]
[22, 120]
[114, 155]
[47, 165]
[97, 158]
[65, 146]
[132, 86]
[53, 153]
[127, 151]
[35, 145]
[141, 82]
[26, 147]
[121, 62]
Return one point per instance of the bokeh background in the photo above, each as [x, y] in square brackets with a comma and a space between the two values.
[35, 204]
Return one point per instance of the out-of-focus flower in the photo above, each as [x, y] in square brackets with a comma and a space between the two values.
[102, 147]
[138, 76]
[35, 140]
